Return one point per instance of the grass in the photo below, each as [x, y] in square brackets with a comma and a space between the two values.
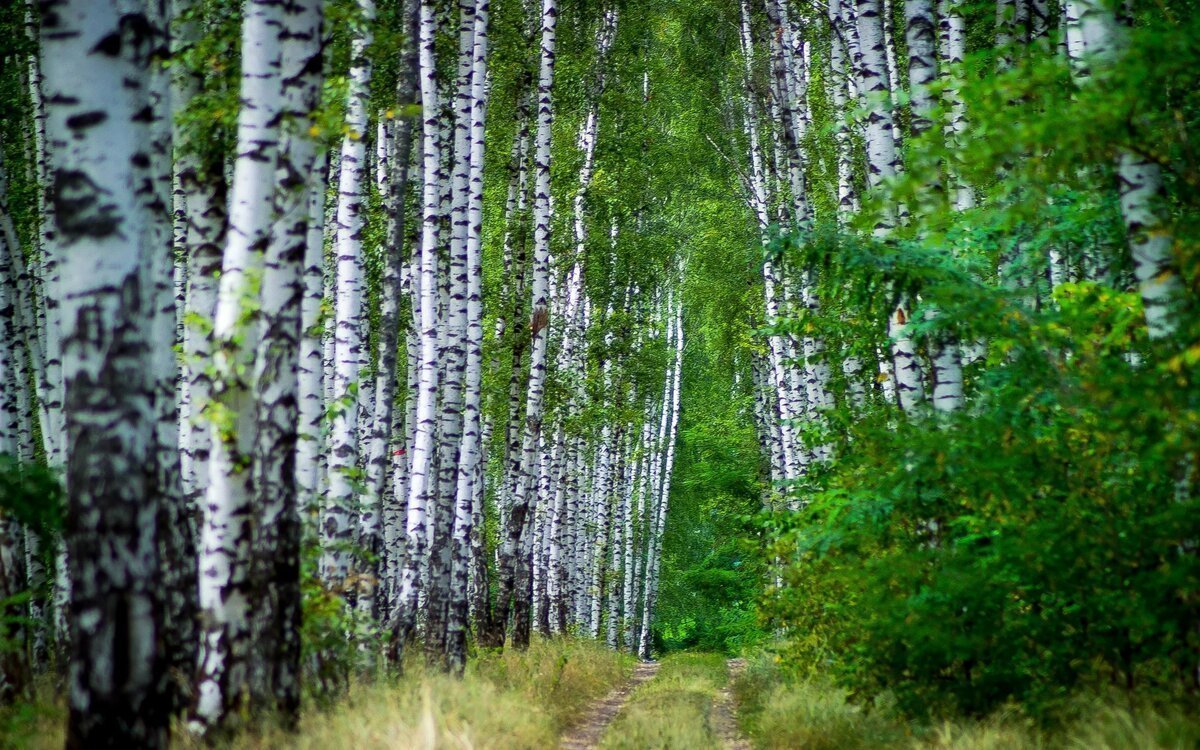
[672, 710]
[506, 701]
[780, 714]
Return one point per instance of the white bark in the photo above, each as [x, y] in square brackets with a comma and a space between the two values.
[421, 476]
[96, 96]
[1096, 39]
[226, 595]
[470, 454]
[311, 394]
[654, 546]
[539, 318]
[338, 524]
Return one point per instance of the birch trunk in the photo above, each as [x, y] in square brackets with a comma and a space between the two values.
[338, 526]
[471, 454]
[1096, 39]
[275, 665]
[883, 159]
[452, 355]
[311, 389]
[654, 546]
[176, 537]
[96, 95]
[421, 476]
[226, 592]
[379, 444]
[539, 330]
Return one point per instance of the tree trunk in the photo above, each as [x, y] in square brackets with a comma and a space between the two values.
[338, 526]
[421, 476]
[539, 331]
[470, 454]
[379, 457]
[104, 241]
[226, 585]
[275, 662]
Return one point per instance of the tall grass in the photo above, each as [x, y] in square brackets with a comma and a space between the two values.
[506, 701]
[784, 713]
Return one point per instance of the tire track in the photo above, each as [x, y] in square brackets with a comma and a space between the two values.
[588, 733]
[724, 713]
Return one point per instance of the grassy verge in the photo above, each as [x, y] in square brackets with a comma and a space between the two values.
[672, 710]
[780, 714]
[506, 701]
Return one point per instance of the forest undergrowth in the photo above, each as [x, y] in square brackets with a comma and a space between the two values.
[782, 711]
[505, 701]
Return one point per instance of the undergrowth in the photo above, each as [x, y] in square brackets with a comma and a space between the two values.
[780, 711]
[506, 701]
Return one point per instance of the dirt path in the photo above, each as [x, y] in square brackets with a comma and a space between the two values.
[724, 719]
[587, 733]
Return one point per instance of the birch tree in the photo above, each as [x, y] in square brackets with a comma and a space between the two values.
[275, 668]
[98, 82]
[470, 454]
[538, 325]
[226, 584]
[338, 520]
[421, 477]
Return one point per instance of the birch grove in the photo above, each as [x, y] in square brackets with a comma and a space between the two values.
[349, 334]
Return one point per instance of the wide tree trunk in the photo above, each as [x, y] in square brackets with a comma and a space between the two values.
[96, 94]
[275, 662]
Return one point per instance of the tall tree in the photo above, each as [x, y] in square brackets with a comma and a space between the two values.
[513, 594]
[226, 583]
[98, 84]
[338, 524]
[275, 666]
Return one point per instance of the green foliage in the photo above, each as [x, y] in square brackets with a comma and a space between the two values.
[337, 639]
[1042, 539]
[779, 709]
[32, 495]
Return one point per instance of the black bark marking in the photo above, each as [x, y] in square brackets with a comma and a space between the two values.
[80, 209]
[86, 120]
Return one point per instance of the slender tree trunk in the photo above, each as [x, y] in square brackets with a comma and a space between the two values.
[15, 440]
[378, 458]
[453, 352]
[226, 585]
[421, 474]
[471, 454]
[311, 390]
[338, 526]
[654, 546]
[509, 594]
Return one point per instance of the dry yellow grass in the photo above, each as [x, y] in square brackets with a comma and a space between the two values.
[509, 701]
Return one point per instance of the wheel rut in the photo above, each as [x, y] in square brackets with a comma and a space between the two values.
[588, 733]
[724, 712]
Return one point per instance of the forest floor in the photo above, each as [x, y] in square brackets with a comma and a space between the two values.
[587, 734]
[577, 694]
[690, 706]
